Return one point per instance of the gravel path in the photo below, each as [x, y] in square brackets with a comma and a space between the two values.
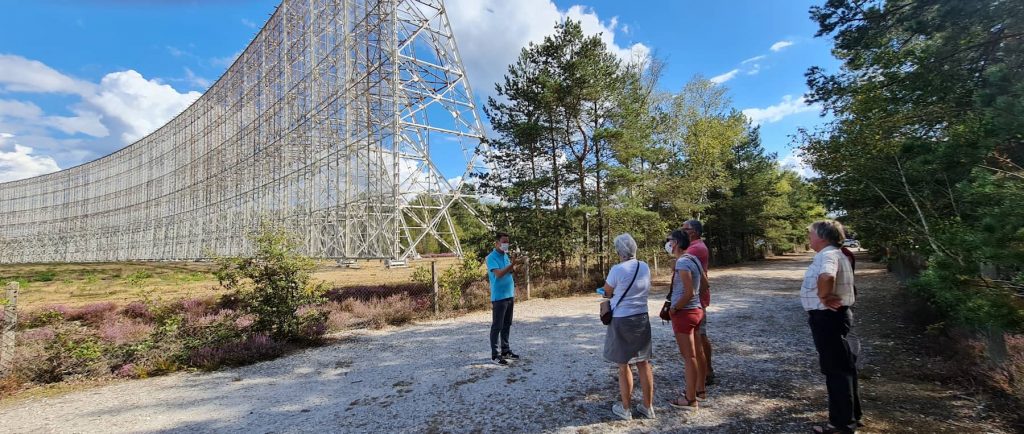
[435, 376]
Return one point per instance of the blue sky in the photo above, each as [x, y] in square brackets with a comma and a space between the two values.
[80, 79]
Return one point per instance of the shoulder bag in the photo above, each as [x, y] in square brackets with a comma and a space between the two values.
[606, 305]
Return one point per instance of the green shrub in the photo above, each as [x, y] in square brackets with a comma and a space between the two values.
[75, 351]
[456, 278]
[44, 276]
[273, 284]
[966, 302]
[138, 277]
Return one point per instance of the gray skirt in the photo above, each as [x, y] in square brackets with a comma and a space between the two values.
[628, 339]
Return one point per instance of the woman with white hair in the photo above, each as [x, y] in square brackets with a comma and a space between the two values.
[628, 340]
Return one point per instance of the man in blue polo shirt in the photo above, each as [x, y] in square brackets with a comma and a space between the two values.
[499, 273]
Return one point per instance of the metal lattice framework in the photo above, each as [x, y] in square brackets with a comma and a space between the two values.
[323, 125]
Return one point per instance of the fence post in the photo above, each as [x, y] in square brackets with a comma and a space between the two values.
[527, 264]
[655, 264]
[10, 322]
[433, 280]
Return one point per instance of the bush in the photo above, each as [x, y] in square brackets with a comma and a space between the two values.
[966, 302]
[273, 284]
[456, 278]
[394, 310]
[93, 313]
[44, 276]
[75, 351]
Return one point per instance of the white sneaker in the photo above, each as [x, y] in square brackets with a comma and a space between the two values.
[647, 412]
[622, 412]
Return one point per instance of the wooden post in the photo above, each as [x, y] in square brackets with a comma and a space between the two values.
[433, 280]
[527, 264]
[655, 264]
[10, 322]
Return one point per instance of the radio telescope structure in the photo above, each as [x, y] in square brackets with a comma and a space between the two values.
[325, 125]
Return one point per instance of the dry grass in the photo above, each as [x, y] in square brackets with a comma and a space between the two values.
[78, 284]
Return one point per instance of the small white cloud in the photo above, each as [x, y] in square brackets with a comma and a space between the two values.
[756, 68]
[176, 52]
[87, 122]
[775, 113]
[28, 114]
[249, 23]
[778, 46]
[754, 59]
[722, 78]
[20, 163]
[24, 75]
[795, 163]
[19, 110]
[195, 80]
[225, 62]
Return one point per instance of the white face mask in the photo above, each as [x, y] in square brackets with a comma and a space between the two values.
[503, 247]
[668, 246]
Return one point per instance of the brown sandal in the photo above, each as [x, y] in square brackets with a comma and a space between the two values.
[682, 402]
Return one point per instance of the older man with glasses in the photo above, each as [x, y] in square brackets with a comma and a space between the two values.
[695, 230]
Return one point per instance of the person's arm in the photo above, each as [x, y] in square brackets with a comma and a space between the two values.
[826, 287]
[827, 284]
[609, 291]
[499, 272]
[687, 279]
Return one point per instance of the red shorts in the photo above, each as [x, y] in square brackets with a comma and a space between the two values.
[685, 321]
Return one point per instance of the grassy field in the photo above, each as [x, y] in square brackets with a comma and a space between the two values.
[76, 284]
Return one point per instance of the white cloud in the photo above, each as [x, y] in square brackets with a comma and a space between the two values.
[249, 23]
[795, 163]
[29, 114]
[722, 78]
[195, 80]
[225, 62]
[20, 162]
[756, 68]
[19, 110]
[139, 105]
[491, 33]
[778, 46]
[775, 113]
[24, 75]
[754, 59]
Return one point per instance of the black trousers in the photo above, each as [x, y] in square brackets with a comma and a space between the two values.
[829, 329]
[501, 323]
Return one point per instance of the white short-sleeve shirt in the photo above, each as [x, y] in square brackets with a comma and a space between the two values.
[829, 260]
[636, 300]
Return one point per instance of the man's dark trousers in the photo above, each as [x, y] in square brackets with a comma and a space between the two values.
[501, 323]
[829, 329]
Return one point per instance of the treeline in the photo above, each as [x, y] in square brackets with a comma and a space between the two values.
[588, 146]
[924, 156]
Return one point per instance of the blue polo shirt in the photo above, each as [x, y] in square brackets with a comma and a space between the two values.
[501, 287]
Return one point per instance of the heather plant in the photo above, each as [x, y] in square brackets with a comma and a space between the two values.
[273, 283]
[457, 278]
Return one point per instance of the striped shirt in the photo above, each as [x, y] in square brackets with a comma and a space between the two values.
[829, 260]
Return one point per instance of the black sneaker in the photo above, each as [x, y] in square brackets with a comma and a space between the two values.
[499, 360]
[510, 355]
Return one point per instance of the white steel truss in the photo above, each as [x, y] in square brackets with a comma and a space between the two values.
[323, 125]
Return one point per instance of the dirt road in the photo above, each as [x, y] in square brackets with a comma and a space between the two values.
[436, 376]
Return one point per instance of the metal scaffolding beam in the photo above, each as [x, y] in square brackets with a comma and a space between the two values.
[324, 125]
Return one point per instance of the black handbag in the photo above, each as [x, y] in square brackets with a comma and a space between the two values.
[606, 309]
[666, 309]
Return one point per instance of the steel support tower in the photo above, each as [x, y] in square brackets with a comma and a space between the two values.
[325, 125]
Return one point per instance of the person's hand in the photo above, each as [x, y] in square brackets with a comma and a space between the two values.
[672, 309]
[832, 301]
